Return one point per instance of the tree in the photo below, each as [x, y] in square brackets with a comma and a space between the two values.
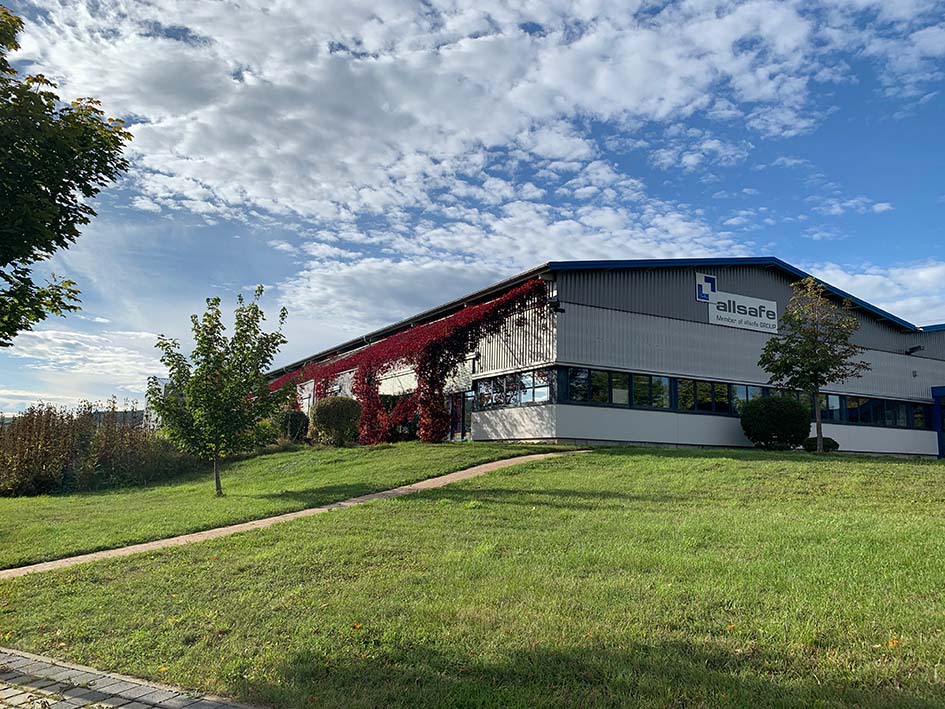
[814, 348]
[210, 404]
[54, 158]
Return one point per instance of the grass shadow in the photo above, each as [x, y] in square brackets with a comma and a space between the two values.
[749, 454]
[676, 674]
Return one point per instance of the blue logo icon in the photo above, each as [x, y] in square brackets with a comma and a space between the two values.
[704, 286]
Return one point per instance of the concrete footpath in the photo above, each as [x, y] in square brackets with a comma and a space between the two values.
[428, 484]
[34, 682]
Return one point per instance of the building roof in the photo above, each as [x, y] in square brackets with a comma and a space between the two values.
[555, 266]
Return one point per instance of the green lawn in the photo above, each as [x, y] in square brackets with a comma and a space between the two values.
[50, 527]
[617, 577]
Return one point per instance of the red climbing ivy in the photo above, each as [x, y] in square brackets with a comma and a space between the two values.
[434, 350]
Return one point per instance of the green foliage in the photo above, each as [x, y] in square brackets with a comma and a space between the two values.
[265, 434]
[54, 158]
[49, 449]
[293, 425]
[335, 420]
[213, 402]
[775, 422]
[814, 348]
[829, 445]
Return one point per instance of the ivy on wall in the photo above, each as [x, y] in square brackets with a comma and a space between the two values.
[434, 351]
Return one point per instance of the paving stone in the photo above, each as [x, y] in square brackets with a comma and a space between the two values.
[182, 701]
[133, 692]
[37, 683]
[156, 696]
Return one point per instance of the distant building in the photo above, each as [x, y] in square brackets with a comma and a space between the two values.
[663, 352]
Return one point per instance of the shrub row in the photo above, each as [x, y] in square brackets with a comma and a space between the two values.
[48, 449]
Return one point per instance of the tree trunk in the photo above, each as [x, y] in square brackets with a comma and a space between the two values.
[819, 425]
[216, 476]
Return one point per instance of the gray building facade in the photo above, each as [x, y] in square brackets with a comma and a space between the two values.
[664, 351]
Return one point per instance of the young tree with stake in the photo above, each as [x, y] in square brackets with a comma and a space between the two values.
[814, 348]
[212, 402]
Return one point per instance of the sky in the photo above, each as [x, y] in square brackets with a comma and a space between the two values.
[366, 160]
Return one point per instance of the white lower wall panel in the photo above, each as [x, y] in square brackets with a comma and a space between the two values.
[870, 439]
[589, 423]
[608, 424]
[521, 423]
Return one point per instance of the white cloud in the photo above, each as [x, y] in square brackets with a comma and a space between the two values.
[881, 207]
[915, 292]
[354, 108]
[127, 358]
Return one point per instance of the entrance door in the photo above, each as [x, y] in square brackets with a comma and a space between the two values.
[461, 416]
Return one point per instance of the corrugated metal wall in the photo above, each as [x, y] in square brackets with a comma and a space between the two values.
[526, 341]
[615, 339]
[668, 292]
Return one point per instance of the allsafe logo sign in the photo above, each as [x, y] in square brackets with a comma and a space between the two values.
[734, 310]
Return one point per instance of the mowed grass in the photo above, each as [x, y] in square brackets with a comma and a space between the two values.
[612, 578]
[48, 527]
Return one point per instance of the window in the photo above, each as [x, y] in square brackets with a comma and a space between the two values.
[921, 416]
[579, 388]
[854, 403]
[620, 389]
[514, 389]
[641, 389]
[484, 389]
[874, 411]
[600, 387]
[829, 407]
[704, 396]
[659, 392]
[542, 380]
[527, 385]
[686, 395]
[721, 396]
[743, 393]
[897, 414]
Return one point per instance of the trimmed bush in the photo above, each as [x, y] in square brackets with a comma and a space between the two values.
[830, 445]
[335, 420]
[776, 422]
[293, 425]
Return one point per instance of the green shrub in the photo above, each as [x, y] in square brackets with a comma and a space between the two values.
[335, 420]
[830, 445]
[293, 425]
[266, 433]
[776, 422]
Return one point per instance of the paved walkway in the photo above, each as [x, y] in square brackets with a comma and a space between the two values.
[428, 484]
[34, 682]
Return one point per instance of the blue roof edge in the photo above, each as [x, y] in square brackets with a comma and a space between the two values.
[739, 261]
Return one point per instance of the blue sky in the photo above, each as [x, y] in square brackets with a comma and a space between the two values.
[366, 160]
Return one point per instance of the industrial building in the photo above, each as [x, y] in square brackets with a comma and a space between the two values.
[662, 352]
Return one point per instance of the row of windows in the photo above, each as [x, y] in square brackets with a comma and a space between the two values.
[601, 387]
[531, 387]
[622, 389]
